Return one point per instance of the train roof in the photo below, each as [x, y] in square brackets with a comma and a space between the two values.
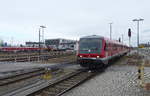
[93, 36]
[101, 37]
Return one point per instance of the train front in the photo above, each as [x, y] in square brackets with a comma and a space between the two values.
[91, 52]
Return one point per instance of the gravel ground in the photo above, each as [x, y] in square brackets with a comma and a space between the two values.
[115, 81]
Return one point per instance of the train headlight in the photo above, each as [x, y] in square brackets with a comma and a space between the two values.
[80, 56]
[97, 56]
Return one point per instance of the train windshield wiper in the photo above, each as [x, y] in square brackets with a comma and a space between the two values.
[94, 48]
[84, 50]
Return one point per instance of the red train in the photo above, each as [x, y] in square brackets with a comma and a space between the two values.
[18, 49]
[96, 51]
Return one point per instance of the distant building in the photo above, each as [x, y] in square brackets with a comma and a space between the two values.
[145, 45]
[5, 44]
[34, 44]
[60, 44]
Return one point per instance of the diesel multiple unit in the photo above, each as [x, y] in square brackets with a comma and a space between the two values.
[96, 51]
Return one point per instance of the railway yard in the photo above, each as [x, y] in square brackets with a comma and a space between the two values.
[55, 74]
[74, 48]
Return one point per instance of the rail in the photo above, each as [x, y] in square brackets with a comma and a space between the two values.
[18, 77]
[64, 84]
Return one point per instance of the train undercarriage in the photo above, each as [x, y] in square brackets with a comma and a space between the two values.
[96, 63]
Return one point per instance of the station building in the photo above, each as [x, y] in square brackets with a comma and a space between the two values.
[61, 44]
[145, 45]
[34, 44]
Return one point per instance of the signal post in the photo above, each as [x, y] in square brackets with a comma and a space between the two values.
[141, 63]
[129, 35]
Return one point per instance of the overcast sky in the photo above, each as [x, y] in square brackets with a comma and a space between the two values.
[71, 19]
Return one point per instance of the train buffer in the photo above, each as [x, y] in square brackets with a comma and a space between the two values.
[47, 75]
[143, 74]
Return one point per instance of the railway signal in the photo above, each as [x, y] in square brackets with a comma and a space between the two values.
[129, 35]
[119, 39]
[129, 32]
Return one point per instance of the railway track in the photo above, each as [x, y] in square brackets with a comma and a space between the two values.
[20, 77]
[64, 84]
[32, 57]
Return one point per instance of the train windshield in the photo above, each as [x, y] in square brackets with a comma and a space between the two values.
[90, 45]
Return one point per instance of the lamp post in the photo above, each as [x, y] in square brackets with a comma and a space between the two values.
[110, 30]
[43, 32]
[122, 38]
[41, 27]
[141, 64]
[138, 20]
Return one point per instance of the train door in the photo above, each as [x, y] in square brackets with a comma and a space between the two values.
[106, 49]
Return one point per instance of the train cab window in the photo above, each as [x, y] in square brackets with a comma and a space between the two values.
[90, 45]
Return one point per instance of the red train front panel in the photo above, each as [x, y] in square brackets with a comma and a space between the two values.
[91, 51]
